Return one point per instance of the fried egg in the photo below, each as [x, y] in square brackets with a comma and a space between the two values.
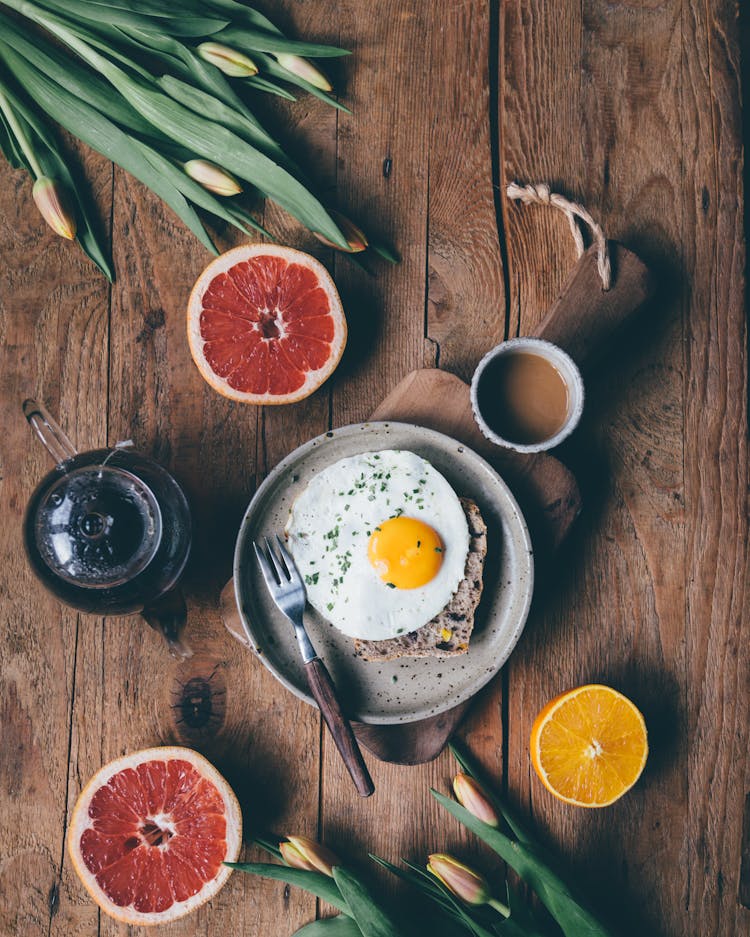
[381, 540]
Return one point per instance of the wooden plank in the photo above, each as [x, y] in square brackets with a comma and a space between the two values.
[54, 327]
[716, 468]
[382, 170]
[411, 117]
[615, 613]
[158, 399]
[382, 166]
[465, 289]
[591, 105]
[292, 729]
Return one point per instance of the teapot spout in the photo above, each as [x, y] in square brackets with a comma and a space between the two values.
[50, 434]
[168, 615]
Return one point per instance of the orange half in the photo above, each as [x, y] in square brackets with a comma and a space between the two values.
[589, 746]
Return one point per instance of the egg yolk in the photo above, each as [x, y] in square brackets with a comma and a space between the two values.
[405, 553]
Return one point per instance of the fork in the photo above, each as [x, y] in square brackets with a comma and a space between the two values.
[288, 592]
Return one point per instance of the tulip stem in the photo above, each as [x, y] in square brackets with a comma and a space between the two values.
[499, 906]
[20, 135]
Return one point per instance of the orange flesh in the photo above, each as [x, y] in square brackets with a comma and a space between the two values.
[589, 746]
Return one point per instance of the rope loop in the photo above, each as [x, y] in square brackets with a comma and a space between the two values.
[540, 194]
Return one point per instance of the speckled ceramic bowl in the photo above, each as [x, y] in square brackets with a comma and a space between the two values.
[404, 690]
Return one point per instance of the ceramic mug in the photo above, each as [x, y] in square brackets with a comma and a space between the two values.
[566, 369]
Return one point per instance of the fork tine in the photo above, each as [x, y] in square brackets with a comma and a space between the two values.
[278, 567]
[291, 566]
[269, 572]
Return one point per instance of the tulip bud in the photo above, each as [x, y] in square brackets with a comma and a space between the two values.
[304, 69]
[302, 853]
[459, 879]
[212, 177]
[471, 795]
[52, 201]
[294, 858]
[227, 60]
[353, 235]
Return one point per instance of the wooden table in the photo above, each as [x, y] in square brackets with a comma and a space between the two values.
[633, 108]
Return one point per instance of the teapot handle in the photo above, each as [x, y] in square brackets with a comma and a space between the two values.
[50, 434]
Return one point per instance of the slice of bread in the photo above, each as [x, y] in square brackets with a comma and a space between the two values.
[450, 630]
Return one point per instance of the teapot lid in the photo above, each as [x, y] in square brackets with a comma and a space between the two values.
[97, 525]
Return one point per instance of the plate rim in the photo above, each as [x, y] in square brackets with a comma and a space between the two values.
[299, 452]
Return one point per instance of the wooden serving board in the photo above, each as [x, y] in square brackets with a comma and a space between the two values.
[583, 321]
[545, 489]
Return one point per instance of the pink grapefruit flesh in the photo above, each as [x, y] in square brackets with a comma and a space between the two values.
[265, 324]
[150, 833]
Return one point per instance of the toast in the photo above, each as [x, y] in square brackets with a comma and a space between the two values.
[449, 632]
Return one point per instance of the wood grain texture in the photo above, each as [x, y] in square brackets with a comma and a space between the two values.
[633, 108]
[53, 319]
[619, 107]
[588, 321]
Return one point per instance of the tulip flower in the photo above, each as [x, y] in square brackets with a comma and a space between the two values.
[354, 236]
[304, 69]
[463, 882]
[470, 794]
[227, 60]
[212, 177]
[52, 202]
[302, 853]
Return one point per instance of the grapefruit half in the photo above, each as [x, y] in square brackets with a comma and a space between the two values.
[150, 833]
[265, 324]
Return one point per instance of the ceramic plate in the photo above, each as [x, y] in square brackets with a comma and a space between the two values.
[405, 690]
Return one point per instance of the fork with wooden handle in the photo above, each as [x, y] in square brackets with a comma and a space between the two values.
[288, 592]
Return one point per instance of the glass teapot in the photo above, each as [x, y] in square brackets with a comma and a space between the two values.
[108, 531]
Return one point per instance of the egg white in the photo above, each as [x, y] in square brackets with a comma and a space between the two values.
[328, 531]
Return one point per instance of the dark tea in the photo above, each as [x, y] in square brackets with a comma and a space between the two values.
[523, 397]
[108, 532]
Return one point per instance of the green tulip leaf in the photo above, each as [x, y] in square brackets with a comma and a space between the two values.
[88, 233]
[93, 128]
[556, 895]
[339, 926]
[255, 40]
[73, 77]
[315, 882]
[134, 15]
[201, 102]
[270, 87]
[371, 918]
[270, 845]
[10, 148]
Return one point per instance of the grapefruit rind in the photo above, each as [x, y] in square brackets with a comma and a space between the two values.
[547, 714]
[195, 306]
[80, 822]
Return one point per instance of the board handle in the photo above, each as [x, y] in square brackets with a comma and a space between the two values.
[323, 690]
[585, 319]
